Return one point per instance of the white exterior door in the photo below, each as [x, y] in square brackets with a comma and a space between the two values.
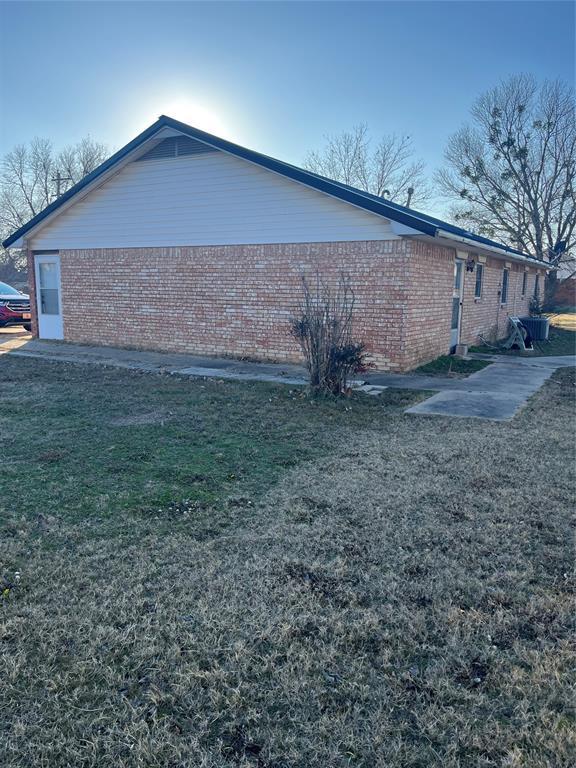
[48, 296]
[457, 303]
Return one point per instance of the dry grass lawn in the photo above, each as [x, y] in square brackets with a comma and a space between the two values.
[566, 320]
[218, 575]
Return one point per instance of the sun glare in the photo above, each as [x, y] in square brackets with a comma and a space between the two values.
[196, 115]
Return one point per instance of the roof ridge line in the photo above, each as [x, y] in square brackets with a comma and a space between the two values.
[427, 225]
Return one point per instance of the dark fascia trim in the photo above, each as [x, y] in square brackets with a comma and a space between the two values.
[426, 225]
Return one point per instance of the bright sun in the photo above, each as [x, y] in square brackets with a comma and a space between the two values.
[196, 115]
[195, 112]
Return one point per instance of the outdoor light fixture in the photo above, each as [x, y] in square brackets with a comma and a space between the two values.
[470, 264]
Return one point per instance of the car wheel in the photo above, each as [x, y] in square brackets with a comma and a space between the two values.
[27, 327]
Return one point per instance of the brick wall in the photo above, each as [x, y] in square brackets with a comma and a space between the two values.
[429, 308]
[238, 300]
[487, 316]
[566, 293]
[228, 300]
[429, 305]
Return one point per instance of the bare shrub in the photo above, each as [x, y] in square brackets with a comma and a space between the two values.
[323, 328]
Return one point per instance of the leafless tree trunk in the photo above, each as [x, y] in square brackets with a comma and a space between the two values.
[386, 169]
[511, 172]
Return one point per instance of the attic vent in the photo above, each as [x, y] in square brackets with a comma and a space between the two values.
[176, 146]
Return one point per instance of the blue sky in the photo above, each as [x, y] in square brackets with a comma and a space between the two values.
[273, 76]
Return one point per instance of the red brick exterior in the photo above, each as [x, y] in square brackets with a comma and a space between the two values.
[487, 316]
[565, 295]
[428, 313]
[237, 300]
[227, 300]
[429, 303]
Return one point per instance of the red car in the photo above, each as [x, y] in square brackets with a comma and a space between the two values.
[14, 307]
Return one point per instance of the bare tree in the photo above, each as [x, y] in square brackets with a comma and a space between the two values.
[511, 173]
[32, 176]
[386, 169]
[78, 160]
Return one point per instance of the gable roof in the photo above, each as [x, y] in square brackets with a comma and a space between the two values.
[422, 223]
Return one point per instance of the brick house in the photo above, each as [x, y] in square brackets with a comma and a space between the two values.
[185, 242]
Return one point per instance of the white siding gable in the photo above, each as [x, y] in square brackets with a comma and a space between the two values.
[205, 199]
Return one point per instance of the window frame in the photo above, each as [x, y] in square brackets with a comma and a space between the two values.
[536, 293]
[505, 286]
[479, 284]
[524, 284]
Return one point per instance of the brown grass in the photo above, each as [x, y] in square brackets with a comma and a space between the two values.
[402, 598]
[566, 320]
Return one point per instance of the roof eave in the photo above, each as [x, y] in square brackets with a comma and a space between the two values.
[499, 251]
[18, 243]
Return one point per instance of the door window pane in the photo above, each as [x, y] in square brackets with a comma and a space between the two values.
[457, 274]
[48, 272]
[49, 304]
[49, 288]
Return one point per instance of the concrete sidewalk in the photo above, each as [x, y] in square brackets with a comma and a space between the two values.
[159, 362]
[194, 365]
[496, 392]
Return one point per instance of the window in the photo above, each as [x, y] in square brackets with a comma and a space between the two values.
[536, 286]
[524, 283]
[504, 292]
[479, 278]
